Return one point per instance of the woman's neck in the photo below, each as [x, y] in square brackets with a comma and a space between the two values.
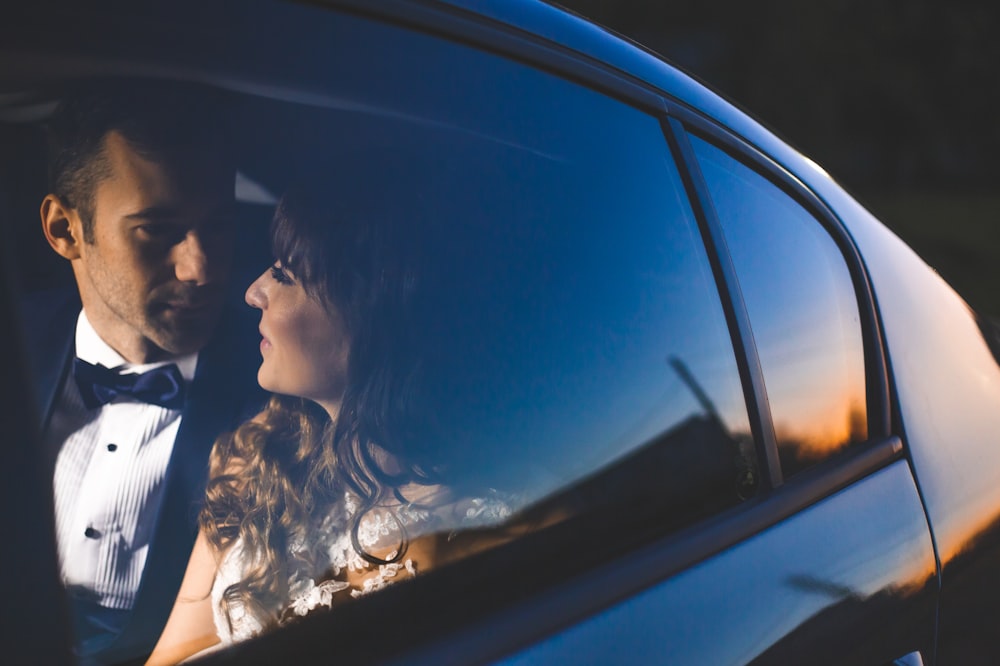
[331, 407]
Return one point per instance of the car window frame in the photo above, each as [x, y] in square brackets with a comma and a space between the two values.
[518, 620]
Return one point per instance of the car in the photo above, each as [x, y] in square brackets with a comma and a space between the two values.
[744, 421]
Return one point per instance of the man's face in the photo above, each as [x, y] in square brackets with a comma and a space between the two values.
[153, 280]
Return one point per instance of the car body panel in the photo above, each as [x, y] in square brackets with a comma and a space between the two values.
[947, 383]
[827, 570]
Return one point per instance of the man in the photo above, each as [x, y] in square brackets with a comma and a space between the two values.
[137, 383]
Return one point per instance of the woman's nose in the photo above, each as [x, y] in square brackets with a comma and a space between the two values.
[255, 296]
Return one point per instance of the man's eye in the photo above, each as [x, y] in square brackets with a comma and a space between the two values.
[280, 275]
[161, 232]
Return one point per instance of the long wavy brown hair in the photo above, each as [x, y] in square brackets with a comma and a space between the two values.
[279, 475]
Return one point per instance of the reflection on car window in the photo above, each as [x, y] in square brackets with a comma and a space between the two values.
[570, 324]
[562, 341]
[802, 308]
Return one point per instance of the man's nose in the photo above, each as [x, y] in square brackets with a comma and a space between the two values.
[255, 296]
[192, 261]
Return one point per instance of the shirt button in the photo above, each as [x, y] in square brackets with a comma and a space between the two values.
[112, 447]
[91, 533]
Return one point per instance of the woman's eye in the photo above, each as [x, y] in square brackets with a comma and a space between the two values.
[280, 275]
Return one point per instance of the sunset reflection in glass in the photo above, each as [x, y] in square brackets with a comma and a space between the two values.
[802, 307]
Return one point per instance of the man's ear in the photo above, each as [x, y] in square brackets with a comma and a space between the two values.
[62, 227]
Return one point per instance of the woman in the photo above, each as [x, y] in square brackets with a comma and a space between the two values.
[335, 489]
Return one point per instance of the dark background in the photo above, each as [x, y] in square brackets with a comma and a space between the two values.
[896, 99]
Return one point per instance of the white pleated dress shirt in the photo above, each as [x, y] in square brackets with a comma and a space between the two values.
[109, 478]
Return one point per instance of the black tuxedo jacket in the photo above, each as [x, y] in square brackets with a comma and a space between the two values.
[223, 394]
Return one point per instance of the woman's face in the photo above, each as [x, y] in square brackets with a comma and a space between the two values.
[305, 345]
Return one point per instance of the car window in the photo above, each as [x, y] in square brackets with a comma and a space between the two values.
[802, 307]
[563, 339]
[576, 352]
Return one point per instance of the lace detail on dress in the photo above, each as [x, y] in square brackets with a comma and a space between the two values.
[315, 596]
[385, 575]
[381, 529]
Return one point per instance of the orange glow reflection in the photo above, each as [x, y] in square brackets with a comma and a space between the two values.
[973, 529]
[804, 438]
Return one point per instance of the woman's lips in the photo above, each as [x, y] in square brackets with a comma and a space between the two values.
[264, 342]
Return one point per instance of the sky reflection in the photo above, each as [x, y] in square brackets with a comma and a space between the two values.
[802, 306]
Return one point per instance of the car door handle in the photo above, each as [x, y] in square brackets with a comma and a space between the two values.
[912, 659]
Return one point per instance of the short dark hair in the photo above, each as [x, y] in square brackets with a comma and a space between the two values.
[161, 120]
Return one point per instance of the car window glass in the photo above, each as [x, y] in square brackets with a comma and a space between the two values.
[802, 307]
[571, 323]
[562, 338]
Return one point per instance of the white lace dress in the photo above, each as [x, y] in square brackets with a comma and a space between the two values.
[333, 553]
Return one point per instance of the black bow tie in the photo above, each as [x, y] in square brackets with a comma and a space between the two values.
[163, 386]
